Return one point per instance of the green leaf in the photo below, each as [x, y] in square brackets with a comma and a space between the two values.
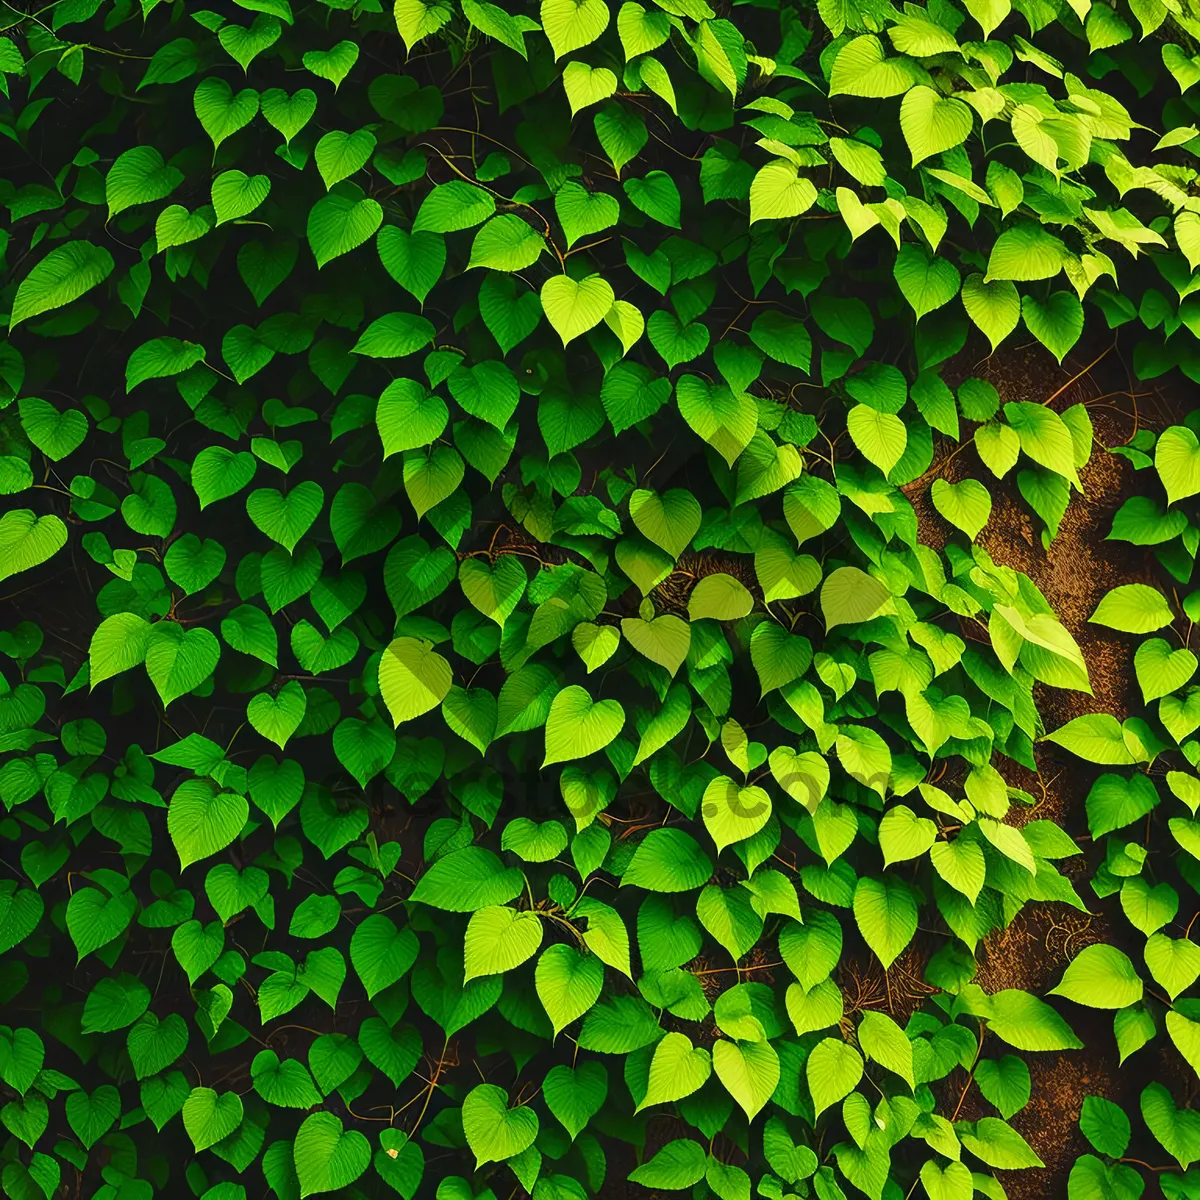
[954, 1181]
[725, 419]
[327, 1157]
[56, 434]
[1177, 1130]
[202, 819]
[575, 1095]
[27, 540]
[677, 1069]
[334, 64]
[850, 596]
[413, 678]
[210, 1116]
[417, 20]
[967, 505]
[641, 31]
[453, 206]
[932, 123]
[138, 176]
[1173, 962]
[995, 307]
[114, 1004]
[395, 335]
[341, 222]
[1045, 437]
[160, 358]
[339, 155]
[881, 1039]
[679, 1164]
[289, 114]
[587, 85]
[573, 307]
[278, 717]
[657, 196]
[903, 835]
[243, 44]
[63, 275]
[1005, 1084]
[220, 111]
[1161, 670]
[1056, 322]
[571, 24]
[833, 1070]
[668, 860]
[286, 518]
[749, 1072]
[118, 644]
[582, 213]
[495, 22]
[1176, 459]
[999, 1145]
[926, 281]
[285, 1084]
[779, 192]
[414, 260]
[577, 726]
[881, 437]
[886, 914]
[507, 243]
[177, 660]
[621, 133]
[155, 1044]
[380, 953]
[494, 1131]
[568, 983]
[862, 69]
[1026, 252]
[500, 938]
[467, 880]
[1133, 608]
[236, 194]
[431, 478]
[1100, 976]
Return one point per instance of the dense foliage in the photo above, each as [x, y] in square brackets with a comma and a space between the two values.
[496, 637]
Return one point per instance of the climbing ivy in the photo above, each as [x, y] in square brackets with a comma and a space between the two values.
[497, 645]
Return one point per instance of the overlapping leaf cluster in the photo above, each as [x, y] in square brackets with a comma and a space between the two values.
[479, 680]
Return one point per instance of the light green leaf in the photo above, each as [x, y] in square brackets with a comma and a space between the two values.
[63, 275]
[500, 938]
[573, 307]
[577, 726]
[1100, 976]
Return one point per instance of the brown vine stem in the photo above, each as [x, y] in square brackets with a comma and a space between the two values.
[970, 1076]
[1079, 375]
[441, 1063]
[1137, 1162]
[484, 136]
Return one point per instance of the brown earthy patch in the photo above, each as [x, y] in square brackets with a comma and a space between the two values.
[1079, 566]
[1033, 950]
[1073, 573]
[899, 991]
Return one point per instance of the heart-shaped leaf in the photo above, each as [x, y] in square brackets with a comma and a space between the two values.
[677, 1070]
[413, 678]
[286, 519]
[496, 589]
[577, 726]
[327, 1157]
[573, 307]
[725, 419]
[494, 1131]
